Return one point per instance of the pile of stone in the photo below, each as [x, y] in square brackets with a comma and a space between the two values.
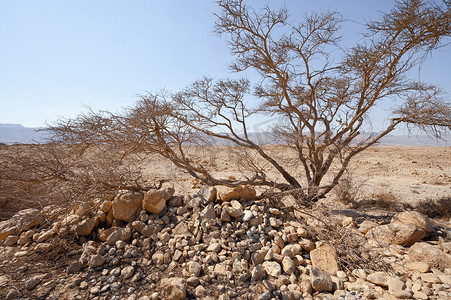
[219, 244]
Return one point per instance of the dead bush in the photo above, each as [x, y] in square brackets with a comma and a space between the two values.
[35, 176]
[436, 208]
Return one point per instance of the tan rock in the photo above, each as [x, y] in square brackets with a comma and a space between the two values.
[96, 261]
[182, 229]
[21, 221]
[126, 204]
[234, 212]
[418, 266]
[325, 258]
[155, 201]
[240, 192]
[394, 233]
[366, 225]
[138, 226]
[173, 288]
[378, 278]
[103, 233]
[272, 268]
[106, 206]
[11, 240]
[122, 234]
[85, 227]
[429, 254]
[416, 219]
[321, 281]
[46, 235]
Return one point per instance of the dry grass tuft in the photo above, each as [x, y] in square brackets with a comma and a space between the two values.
[437, 208]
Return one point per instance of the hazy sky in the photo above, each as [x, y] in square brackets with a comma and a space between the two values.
[57, 56]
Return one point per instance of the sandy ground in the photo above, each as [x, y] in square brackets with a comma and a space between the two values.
[405, 173]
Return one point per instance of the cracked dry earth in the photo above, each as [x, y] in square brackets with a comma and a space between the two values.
[191, 242]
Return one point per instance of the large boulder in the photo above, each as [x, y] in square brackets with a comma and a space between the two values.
[416, 219]
[126, 204]
[325, 258]
[245, 192]
[155, 201]
[432, 255]
[399, 234]
[21, 221]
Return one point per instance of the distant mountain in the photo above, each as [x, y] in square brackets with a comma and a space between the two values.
[18, 134]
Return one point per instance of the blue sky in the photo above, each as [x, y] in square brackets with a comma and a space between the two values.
[57, 56]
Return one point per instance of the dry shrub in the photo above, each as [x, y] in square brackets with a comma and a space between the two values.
[35, 176]
[347, 191]
[384, 200]
[351, 247]
[436, 208]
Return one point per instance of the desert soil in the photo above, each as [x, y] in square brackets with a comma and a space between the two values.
[403, 174]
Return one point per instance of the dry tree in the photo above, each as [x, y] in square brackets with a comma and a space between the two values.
[320, 93]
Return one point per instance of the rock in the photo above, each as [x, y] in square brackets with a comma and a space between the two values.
[152, 229]
[320, 280]
[272, 268]
[247, 215]
[155, 201]
[96, 261]
[122, 234]
[32, 283]
[103, 234]
[194, 268]
[74, 267]
[258, 257]
[418, 266]
[225, 217]
[366, 225]
[401, 294]
[258, 273]
[432, 255]
[192, 281]
[127, 272]
[214, 247]
[430, 277]
[416, 219]
[126, 204]
[207, 194]
[182, 230]
[11, 240]
[12, 294]
[138, 226]
[175, 201]
[200, 292]
[307, 245]
[208, 213]
[234, 212]
[21, 221]
[173, 288]
[395, 283]
[158, 258]
[325, 258]
[394, 233]
[221, 269]
[46, 235]
[245, 192]
[288, 265]
[85, 227]
[378, 278]
[106, 206]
